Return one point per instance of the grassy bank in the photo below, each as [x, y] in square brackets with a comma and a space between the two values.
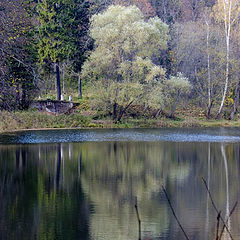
[12, 121]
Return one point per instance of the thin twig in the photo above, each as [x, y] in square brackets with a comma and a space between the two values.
[214, 206]
[233, 209]
[174, 214]
[218, 218]
[139, 220]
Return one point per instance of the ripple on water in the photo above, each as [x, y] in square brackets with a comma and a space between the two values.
[230, 135]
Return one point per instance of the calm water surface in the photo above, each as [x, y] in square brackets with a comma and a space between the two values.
[82, 184]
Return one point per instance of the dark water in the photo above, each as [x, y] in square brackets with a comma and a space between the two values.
[76, 184]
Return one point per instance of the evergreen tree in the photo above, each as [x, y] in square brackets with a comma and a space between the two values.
[62, 23]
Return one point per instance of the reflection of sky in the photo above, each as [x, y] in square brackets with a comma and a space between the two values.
[148, 135]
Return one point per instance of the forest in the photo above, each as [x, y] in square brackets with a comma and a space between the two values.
[122, 59]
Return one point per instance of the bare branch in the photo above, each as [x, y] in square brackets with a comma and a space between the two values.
[214, 206]
[174, 214]
[139, 220]
[233, 209]
[218, 217]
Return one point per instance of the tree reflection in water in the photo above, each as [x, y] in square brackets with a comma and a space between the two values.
[87, 190]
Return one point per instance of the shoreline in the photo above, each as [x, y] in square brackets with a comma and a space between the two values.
[39, 121]
[129, 125]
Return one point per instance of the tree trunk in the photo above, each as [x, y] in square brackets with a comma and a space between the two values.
[24, 98]
[79, 86]
[209, 108]
[115, 111]
[174, 106]
[123, 110]
[227, 22]
[58, 82]
[63, 79]
[236, 101]
[158, 112]
[209, 73]
[17, 96]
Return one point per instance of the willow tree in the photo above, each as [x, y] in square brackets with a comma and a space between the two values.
[120, 65]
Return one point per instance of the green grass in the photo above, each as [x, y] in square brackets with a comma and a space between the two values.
[12, 121]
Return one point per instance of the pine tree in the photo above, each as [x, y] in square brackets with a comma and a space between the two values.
[59, 32]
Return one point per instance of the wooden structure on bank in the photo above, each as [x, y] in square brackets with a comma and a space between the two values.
[54, 106]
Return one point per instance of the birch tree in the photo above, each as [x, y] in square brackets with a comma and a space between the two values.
[198, 50]
[227, 12]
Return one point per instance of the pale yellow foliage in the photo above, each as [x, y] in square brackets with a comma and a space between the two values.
[121, 35]
[178, 83]
[120, 68]
[227, 11]
[175, 88]
[115, 92]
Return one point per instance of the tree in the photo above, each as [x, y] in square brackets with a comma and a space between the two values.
[227, 12]
[175, 89]
[198, 52]
[144, 5]
[62, 27]
[120, 62]
[168, 10]
[120, 68]
[18, 72]
[209, 89]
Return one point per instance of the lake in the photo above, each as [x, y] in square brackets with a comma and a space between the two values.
[82, 184]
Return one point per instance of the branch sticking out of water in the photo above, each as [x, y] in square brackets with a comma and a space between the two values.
[218, 218]
[174, 214]
[233, 209]
[214, 206]
[139, 220]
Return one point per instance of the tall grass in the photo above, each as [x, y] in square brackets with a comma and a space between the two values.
[10, 121]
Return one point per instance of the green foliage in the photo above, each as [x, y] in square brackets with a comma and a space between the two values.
[120, 70]
[176, 88]
[62, 23]
[34, 119]
[62, 36]
[120, 67]
[54, 43]
[18, 71]
[132, 57]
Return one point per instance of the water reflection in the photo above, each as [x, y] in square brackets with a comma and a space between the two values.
[220, 134]
[87, 190]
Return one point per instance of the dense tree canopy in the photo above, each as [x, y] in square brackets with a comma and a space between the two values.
[133, 48]
[60, 33]
[18, 72]
[120, 64]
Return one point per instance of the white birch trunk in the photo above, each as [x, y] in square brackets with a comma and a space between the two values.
[227, 23]
[208, 67]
